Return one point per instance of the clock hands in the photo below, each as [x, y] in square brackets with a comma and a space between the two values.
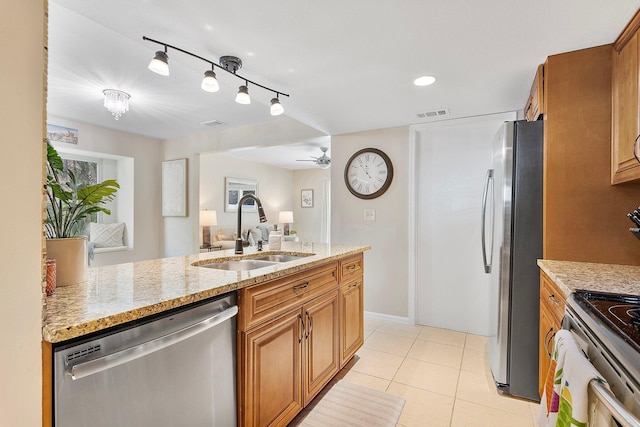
[365, 170]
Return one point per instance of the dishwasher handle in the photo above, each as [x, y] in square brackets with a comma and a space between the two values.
[82, 370]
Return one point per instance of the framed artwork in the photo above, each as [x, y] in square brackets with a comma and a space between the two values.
[235, 189]
[174, 187]
[306, 199]
[62, 134]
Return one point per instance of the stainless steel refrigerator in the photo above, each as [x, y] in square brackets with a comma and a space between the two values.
[511, 244]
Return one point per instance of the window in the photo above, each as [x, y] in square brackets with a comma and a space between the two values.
[85, 173]
[91, 167]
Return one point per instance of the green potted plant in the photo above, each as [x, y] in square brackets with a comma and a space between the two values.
[70, 206]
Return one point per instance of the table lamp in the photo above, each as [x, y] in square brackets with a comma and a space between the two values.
[286, 218]
[207, 219]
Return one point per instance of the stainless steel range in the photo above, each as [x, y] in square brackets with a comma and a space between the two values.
[607, 327]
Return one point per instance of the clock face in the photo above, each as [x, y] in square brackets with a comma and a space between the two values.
[368, 173]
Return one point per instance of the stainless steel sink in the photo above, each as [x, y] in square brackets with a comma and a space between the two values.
[239, 264]
[278, 257]
[252, 263]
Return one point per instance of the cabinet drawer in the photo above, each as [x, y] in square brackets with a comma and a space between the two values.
[351, 267]
[551, 297]
[261, 302]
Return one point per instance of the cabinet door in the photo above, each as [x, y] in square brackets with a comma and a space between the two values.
[322, 359]
[351, 319]
[271, 377]
[534, 107]
[624, 166]
[548, 329]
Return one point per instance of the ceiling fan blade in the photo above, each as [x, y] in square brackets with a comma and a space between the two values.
[305, 160]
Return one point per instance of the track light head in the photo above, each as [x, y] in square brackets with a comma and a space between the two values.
[160, 63]
[243, 95]
[276, 107]
[209, 82]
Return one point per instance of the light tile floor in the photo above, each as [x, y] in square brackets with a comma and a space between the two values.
[443, 375]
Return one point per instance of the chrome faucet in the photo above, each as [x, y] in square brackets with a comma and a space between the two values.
[263, 218]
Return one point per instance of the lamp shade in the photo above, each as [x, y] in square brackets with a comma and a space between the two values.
[160, 63]
[209, 82]
[208, 218]
[285, 217]
[276, 107]
[243, 95]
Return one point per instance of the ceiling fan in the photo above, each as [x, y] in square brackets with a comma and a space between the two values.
[323, 161]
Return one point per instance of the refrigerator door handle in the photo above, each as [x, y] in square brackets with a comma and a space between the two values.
[487, 262]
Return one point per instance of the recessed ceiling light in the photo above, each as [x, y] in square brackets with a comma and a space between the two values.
[424, 81]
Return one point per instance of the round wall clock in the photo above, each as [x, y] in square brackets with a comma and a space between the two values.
[368, 173]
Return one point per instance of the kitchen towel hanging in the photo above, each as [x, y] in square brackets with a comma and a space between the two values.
[565, 400]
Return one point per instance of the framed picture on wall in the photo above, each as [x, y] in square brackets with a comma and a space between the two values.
[174, 187]
[306, 198]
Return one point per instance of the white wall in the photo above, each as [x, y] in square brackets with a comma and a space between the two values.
[275, 188]
[21, 119]
[386, 264]
[452, 158]
[311, 223]
[147, 160]
[181, 233]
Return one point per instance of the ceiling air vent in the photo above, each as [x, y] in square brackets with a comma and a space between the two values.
[435, 114]
[213, 123]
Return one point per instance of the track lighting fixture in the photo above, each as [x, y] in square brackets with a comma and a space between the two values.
[243, 95]
[231, 64]
[210, 83]
[160, 63]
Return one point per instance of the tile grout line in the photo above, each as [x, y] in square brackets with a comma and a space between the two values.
[455, 398]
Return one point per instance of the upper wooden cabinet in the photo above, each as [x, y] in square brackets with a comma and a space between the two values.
[535, 104]
[625, 101]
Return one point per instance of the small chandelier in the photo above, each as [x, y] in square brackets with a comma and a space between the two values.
[116, 101]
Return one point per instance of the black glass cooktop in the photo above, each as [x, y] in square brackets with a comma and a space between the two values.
[621, 312]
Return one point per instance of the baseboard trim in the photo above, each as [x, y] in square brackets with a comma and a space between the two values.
[369, 315]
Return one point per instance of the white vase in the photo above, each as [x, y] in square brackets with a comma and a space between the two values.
[71, 255]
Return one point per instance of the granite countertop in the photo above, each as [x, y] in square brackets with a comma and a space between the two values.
[117, 294]
[571, 276]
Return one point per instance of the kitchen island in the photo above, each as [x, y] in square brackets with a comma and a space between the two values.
[117, 294]
[306, 313]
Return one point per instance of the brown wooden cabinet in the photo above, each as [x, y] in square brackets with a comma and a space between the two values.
[625, 101]
[351, 319]
[535, 103]
[271, 375]
[552, 304]
[290, 339]
[321, 348]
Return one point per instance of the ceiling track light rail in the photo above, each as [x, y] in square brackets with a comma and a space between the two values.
[231, 64]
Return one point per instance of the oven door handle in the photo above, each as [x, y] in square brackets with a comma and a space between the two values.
[619, 412]
[82, 370]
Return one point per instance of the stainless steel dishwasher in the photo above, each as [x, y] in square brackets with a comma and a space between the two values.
[176, 369]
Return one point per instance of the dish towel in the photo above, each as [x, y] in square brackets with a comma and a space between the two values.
[565, 400]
